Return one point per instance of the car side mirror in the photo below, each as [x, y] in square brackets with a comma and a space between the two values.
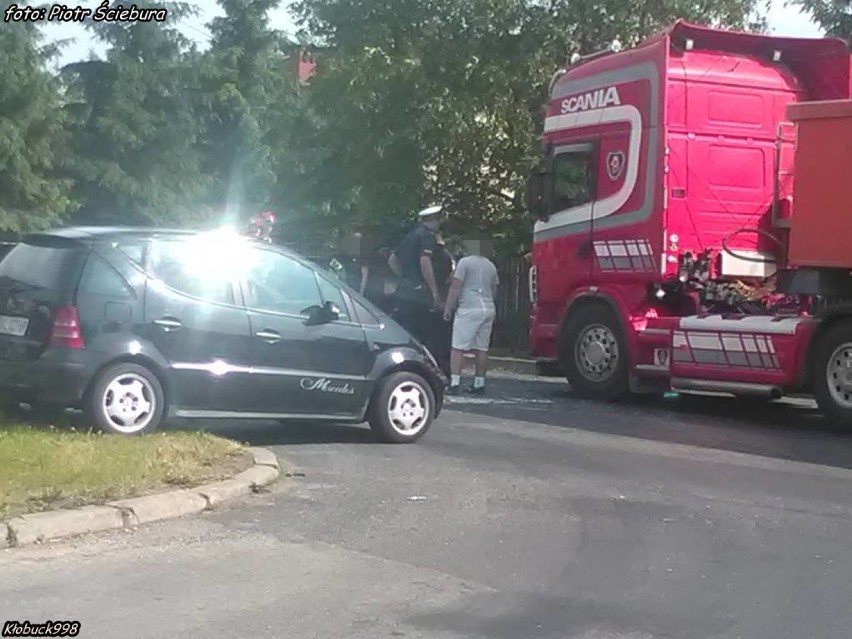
[324, 314]
[331, 311]
[536, 190]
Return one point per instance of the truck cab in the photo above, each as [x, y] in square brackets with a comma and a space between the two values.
[665, 202]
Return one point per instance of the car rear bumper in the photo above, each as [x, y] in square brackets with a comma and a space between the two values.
[46, 380]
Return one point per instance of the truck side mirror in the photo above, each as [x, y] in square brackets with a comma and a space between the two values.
[536, 189]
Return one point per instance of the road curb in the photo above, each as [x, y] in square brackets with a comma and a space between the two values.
[129, 513]
[513, 365]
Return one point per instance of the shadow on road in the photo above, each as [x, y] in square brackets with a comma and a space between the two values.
[509, 616]
[791, 430]
[272, 433]
[782, 430]
[253, 433]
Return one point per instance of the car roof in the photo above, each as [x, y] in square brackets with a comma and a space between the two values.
[95, 233]
[98, 232]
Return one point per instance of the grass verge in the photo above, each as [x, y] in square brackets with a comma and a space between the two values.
[49, 468]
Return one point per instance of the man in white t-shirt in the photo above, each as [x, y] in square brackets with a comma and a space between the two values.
[471, 295]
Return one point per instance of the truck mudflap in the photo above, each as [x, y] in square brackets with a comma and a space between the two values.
[741, 354]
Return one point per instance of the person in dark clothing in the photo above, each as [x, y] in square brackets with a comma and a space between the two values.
[346, 268]
[356, 264]
[419, 300]
[413, 261]
[444, 265]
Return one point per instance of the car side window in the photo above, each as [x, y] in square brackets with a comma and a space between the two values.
[331, 293]
[99, 278]
[134, 250]
[279, 284]
[365, 317]
[196, 273]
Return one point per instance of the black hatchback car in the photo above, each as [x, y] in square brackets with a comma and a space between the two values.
[136, 325]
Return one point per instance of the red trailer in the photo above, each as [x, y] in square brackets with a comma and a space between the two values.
[691, 219]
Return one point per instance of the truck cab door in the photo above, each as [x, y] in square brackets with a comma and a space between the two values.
[573, 170]
[562, 246]
[621, 248]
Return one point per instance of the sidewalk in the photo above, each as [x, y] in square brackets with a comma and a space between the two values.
[513, 365]
[497, 364]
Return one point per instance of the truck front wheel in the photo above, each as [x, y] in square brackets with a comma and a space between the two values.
[593, 354]
[833, 374]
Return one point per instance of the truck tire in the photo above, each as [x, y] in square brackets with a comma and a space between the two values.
[593, 354]
[833, 374]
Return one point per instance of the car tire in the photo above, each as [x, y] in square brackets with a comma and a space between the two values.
[403, 408]
[126, 399]
[832, 387]
[593, 354]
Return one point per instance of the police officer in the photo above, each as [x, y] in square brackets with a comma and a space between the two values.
[444, 265]
[419, 301]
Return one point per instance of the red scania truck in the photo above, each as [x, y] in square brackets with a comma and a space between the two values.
[694, 219]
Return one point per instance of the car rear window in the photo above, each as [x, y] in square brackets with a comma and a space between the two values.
[41, 266]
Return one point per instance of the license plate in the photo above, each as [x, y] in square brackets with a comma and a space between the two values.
[16, 326]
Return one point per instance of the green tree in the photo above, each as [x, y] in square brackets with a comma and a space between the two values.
[137, 126]
[833, 16]
[423, 100]
[249, 96]
[33, 194]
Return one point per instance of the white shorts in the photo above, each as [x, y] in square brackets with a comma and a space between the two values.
[472, 329]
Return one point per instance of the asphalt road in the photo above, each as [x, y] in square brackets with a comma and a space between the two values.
[528, 514]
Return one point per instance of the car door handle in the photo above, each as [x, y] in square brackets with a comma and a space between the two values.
[269, 336]
[168, 323]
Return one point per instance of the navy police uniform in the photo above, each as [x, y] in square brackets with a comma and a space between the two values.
[420, 242]
[414, 304]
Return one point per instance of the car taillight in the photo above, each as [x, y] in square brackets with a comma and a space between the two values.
[66, 330]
